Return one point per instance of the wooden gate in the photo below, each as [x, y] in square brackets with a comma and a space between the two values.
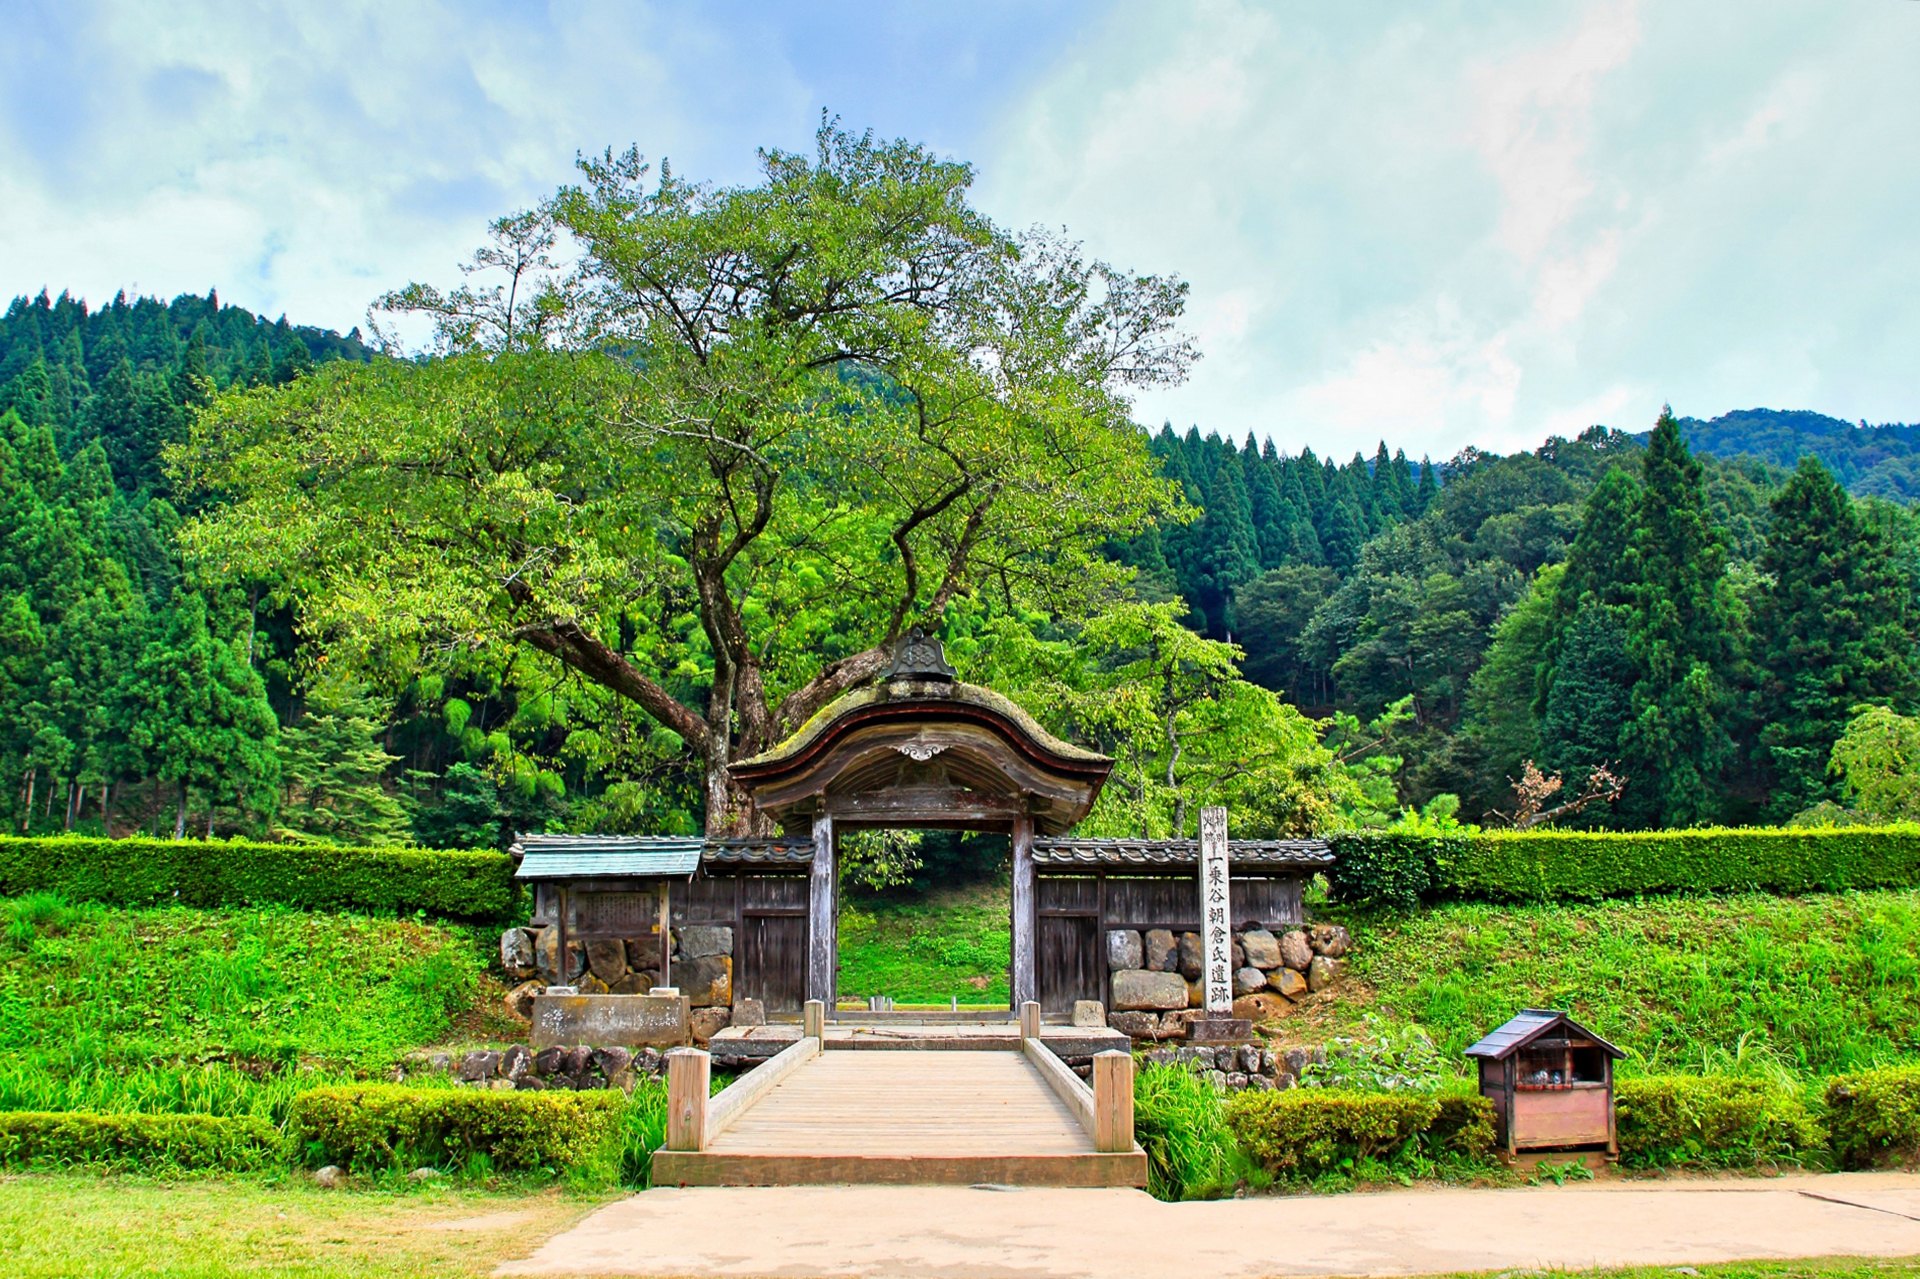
[773, 961]
[1069, 961]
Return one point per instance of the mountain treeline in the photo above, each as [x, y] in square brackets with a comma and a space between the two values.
[135, 696]
[1699, 622]
[1700, 628]
[1871, 461]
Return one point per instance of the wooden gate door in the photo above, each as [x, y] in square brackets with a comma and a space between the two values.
[773, 961]
[1069, 961]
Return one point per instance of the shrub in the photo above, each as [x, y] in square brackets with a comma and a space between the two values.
[375, 1127]
[1304, 1132]
[1875, 1117]
[1383, 1057]
[1394, 868]
[136, 872]
[1400, 869]
[144, 1142]
[1177, 1119]
[1712, 1121]
[1463, 1125]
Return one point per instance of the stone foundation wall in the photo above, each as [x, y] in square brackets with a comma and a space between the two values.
[1155, 991]
[701, 966]
[574, 1069]
[1237, 1069]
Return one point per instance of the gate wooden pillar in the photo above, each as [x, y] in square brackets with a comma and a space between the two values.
[1026, 915]
[823, 943]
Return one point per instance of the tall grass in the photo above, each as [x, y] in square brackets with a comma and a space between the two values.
[1178, 1120]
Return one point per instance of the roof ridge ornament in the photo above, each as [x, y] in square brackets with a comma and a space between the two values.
[919, 656]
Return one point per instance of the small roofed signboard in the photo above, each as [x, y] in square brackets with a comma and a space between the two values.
[1550, 1080]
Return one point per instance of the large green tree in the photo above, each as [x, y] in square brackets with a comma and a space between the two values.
[1676, 748]
[1834, 628]
[719, 461]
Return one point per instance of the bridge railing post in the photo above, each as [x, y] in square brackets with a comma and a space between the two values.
[1029, 1020]
[813, 1020]
[1113, 1102]
[689, 1077]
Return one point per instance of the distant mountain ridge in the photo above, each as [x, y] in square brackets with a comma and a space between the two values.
[1872, 461]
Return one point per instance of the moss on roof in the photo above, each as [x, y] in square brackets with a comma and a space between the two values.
[882, 693]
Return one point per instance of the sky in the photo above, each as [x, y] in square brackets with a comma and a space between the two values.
[1439, 224]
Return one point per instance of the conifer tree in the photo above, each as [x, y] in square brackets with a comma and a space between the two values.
[1835, 629]
[333, 771]
[1676, 748]
[1227, 552]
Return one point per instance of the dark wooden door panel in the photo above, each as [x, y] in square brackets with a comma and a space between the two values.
[773, 961]
[1069, 961]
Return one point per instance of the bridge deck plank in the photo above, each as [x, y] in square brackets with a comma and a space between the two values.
[932, 1105]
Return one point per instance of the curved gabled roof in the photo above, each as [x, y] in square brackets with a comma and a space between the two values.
[938, 751]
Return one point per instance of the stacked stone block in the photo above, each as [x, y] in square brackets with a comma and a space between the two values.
[701, 967]
[1156, 990]
[1236, 1069]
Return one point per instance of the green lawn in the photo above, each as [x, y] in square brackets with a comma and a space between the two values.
[209, 1229]
[954, 943]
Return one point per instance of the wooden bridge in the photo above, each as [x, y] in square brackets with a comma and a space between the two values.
[817, 1114]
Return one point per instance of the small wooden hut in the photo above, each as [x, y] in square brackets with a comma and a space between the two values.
[1551, 1083]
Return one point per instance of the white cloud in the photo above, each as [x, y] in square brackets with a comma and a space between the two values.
[1500, 222]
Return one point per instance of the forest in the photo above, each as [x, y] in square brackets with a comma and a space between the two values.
[555, 572]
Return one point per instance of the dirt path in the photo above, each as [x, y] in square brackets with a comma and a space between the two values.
[932, 1232]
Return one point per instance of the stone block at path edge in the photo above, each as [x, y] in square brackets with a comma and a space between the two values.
[707, 1022]
[707, 982]
[699, 941]
[1135, 1025]
[1124, 950]
[1163, 952]
[1135, 989]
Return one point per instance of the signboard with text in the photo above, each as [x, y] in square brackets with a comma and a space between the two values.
[1215, 903]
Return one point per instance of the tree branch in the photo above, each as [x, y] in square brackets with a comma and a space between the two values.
[583, 652]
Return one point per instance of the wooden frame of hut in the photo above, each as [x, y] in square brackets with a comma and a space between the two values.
[1551, 1083]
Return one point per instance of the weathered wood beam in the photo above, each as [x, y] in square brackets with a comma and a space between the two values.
[689, 1079]
[822, 944]
[739, 1096]
[1025, 916]
[1112, 1102]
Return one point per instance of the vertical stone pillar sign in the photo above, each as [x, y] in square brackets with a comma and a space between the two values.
[1215, 901]
[1216, 935]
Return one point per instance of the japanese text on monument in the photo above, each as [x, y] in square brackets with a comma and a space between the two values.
[1215, 900]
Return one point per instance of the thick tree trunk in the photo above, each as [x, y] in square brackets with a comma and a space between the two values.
[73, 803]
[26, 812]
[107, 797]
[180, 818]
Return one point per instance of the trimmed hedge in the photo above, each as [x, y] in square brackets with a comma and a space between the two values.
[1304, 1132]
[1400, 870]
[1875, 1117]
[138, 872]
[192, 1142]
[1666, 1121]
[375, 1126]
